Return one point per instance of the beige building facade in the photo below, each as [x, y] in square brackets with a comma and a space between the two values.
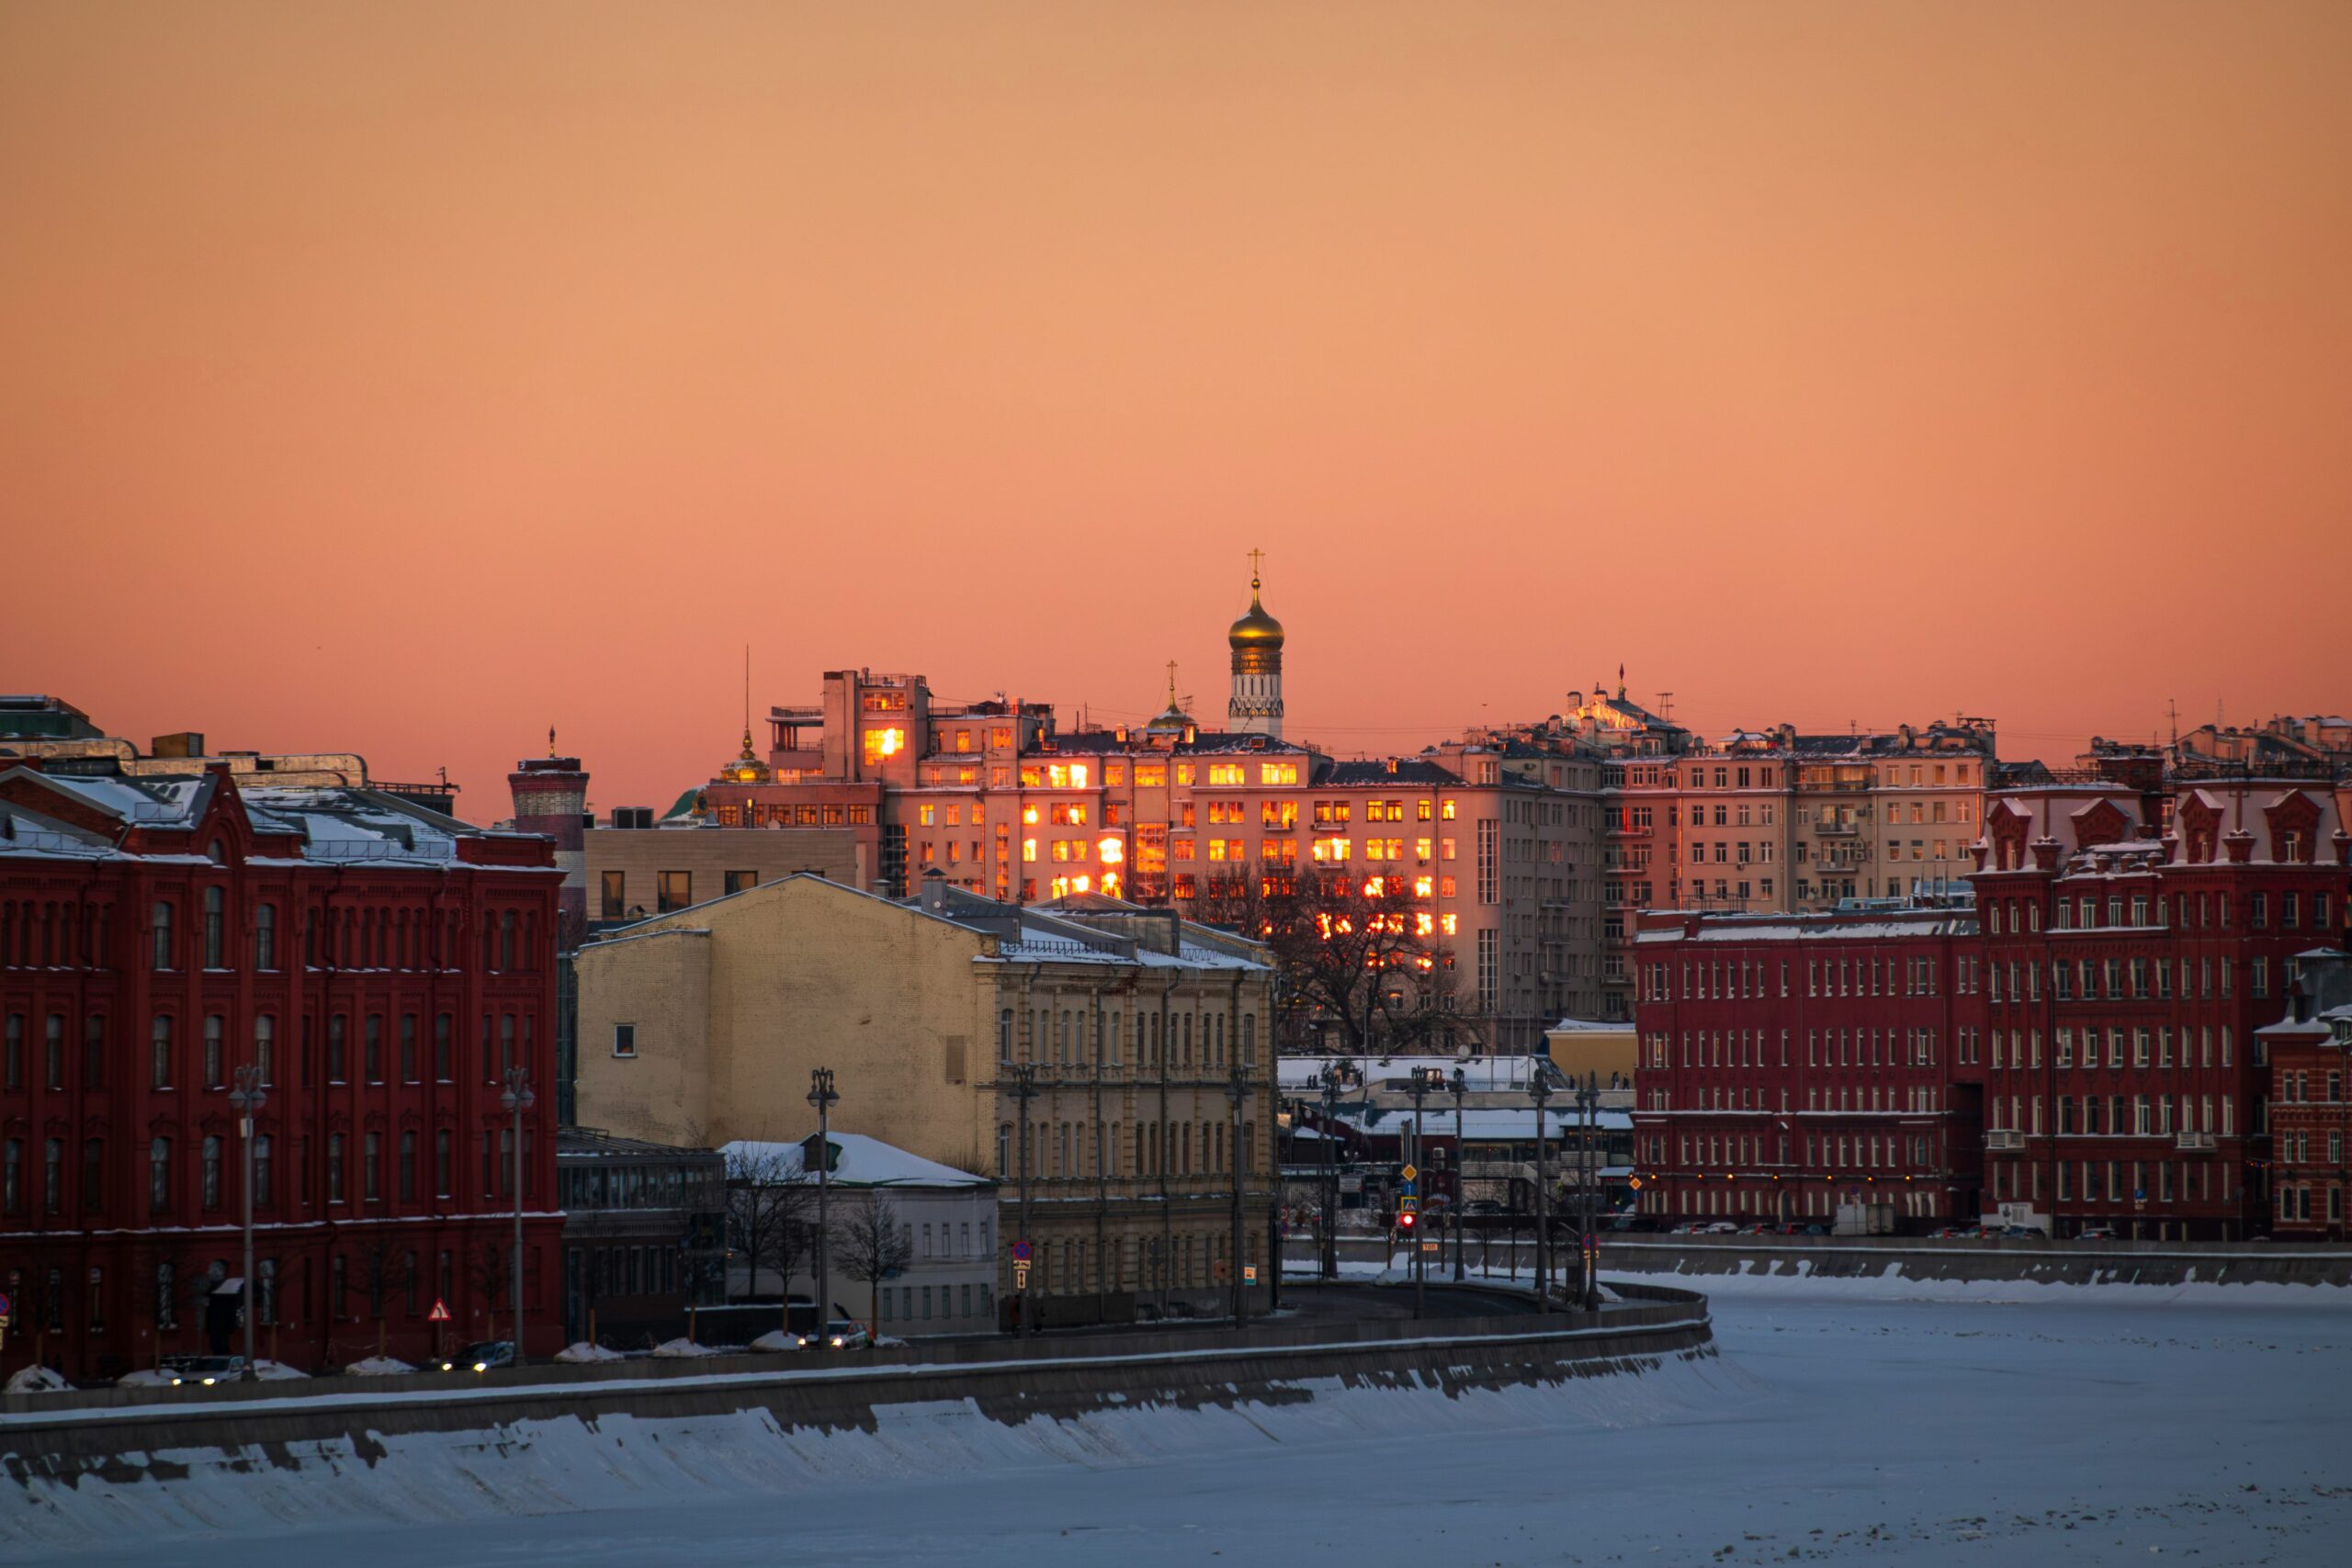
[634, 872]
[1111, 1066]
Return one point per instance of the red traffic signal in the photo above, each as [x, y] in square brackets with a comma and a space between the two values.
[1405, 1220]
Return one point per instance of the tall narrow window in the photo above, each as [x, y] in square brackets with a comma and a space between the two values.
[11, 1178]
[441, 1047]
[408, 1167]
[216, 933]
[211, 1172]
[94, 1051]
[12, 1052]
[215, 1067]
[336, 1063]
[263, 1170]
[334, 1167]
[159, 1176]
[441, 1163]
[407, 1047]
[371, 1045]
[371, 1169]
[506, 940]
[265, 1041]
[52, 1176]
[161, 1073]
[265, 937]
[161, 931]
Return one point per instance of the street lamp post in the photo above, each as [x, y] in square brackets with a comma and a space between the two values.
[517, 1098]
[246, 1100]
[1331, 1079]
[1238, 1090]
[1539, 1088]
[1025, 1089]
[1589, 1102]
[1461, 1089]
[1419, 1086]
[822, 1095]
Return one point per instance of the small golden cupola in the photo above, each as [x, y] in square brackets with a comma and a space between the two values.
[1256, 638]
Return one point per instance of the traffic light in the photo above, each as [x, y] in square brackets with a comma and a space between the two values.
[1405, 1220]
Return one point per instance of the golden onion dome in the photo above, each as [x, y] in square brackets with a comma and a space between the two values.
[1256, 629]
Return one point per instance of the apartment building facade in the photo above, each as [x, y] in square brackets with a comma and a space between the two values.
[1792, 1066]
[1112, 1066]
[2127, 976]
[378, 965]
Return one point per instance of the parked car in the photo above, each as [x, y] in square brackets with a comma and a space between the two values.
[2023, 1233]
[1793, 1227]
[1623, 1223]
[1688, 1227]
[1954, 1233]
[841, 1334]
[1720, 1227]
[1762, 1227]
[204, 1370]
[481, 1356]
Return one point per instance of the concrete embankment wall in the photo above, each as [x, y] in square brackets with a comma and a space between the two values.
[135, 1440]
[2152, 1263]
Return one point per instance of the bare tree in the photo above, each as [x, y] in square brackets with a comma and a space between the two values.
[771, 1213]
[1369, 957]
[872, 1247]
[383, 1269]
[487, 1267]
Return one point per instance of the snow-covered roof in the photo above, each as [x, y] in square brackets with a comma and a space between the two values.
[862, 1162]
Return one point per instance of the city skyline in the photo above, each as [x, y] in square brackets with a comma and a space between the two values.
[417, 385]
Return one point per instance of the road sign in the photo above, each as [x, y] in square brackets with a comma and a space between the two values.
[1410, 1173]
[4, 1306]
[1021, 1252]
[1021, 1276]
[1433, 1246]
[440, 1312]
[1407, 1204]
[1249, 1273]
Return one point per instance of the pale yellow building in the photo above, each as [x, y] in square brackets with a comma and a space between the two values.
[1130, 1027]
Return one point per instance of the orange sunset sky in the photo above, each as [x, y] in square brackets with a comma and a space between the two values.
[407, 378]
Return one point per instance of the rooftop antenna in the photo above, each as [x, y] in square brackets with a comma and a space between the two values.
[1665, 705]
[2172, 706]
[551, 742]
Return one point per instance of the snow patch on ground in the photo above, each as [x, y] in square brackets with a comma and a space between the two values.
[581, 1350]
[378, 1367]
[37, 1380]
[1892, 1285]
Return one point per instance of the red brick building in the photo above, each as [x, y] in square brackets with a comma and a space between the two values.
[2311, 1119]
[2127, 967]
[1793, 1065]
[380, 963]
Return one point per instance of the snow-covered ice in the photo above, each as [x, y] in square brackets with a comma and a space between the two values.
[2104, 1426]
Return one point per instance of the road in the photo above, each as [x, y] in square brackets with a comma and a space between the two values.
[1316, 1300]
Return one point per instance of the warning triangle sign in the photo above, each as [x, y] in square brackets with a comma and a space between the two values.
[440, 1312]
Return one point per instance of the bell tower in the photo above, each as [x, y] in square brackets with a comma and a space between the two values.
[1256, 708]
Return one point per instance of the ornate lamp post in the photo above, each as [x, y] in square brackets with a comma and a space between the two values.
[1023, 1090]
[1589, 1102]
[822, 1095]
[517, 1098]
[1238, 1090]
[246, 1100]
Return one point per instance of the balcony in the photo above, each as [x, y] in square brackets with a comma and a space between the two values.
[1834, 829]
[2004, 1140]
[2193, 1142]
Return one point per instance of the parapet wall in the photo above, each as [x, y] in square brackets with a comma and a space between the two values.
[122, 1436]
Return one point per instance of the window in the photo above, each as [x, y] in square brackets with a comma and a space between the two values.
[211, 1173]
[161, 1074]
[161, 932]
[441, 1067]
[12, 1053]
[265, 937]
[611, 896]
[335, 1063]
[741, 881]
[215, 932]
[334, 1167]
[441, 1173]
[624, 1040]
[674, 890]
[263, 1166]
[159, 1176]
[94, 1051]
[407, 1047]
[371, 1168]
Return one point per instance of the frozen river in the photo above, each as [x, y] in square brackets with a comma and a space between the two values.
[1839, 1429]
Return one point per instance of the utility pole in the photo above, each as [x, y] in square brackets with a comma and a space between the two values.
[1025, 1089]
[246, 1100]
[517, 1097]
[1461, 1089]
[1538, 1090]
[822, 1095]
